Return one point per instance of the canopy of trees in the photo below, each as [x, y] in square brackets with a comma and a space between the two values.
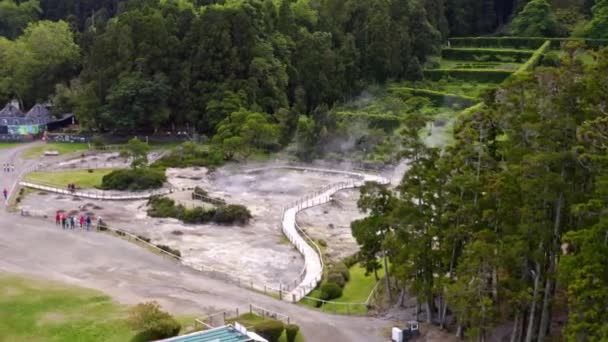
[512, 217]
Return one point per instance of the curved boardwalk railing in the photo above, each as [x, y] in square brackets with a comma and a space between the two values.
[313, 264]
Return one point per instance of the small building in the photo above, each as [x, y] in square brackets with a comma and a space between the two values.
[14, 123]
[227, 333]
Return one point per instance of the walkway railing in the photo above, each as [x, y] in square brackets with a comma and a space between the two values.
[96, 194]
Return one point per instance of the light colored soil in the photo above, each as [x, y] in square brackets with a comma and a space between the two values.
[330, 222]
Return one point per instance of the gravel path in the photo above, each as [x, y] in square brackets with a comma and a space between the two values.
[131, 274]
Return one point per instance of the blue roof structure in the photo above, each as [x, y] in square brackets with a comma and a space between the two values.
[221, 334]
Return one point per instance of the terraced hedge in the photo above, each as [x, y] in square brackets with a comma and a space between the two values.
[520, 42]
[438, 98]
[535, 59]
[475, 75]
[493, 54]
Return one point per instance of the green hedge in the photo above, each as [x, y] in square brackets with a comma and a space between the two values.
[475, 75]
[439, 98]
[493, 54]
[270, 329]
[223, 214]
[133, 180]
[535, 59]
[520, 42]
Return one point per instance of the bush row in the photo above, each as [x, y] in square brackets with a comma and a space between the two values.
[535, 59]
[475, 75]
[225, 214]
[486, 55]
[272, 330]
[133, 180]
[202, 195]
[385, 122]
[439, 98]
[521, 42]
[191, 155]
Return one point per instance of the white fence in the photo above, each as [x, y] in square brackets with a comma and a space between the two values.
[97, 194]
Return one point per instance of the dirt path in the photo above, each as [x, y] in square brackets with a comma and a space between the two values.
[132, 274]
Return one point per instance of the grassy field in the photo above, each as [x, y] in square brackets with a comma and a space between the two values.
[43, 311]
[5, 145]
[82, 178]
[249, 320]
[356, 290]
[62, 148]
[32, 310]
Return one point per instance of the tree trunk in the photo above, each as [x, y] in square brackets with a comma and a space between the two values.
[544, 326]
[386, 277]
[429, 311]
[532, 318]
[517, 325]
[376, 274]
[460, 331]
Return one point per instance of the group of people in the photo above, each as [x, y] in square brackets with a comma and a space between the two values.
[71, 221]
[7, 167]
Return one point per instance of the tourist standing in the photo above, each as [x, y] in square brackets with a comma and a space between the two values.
[81, 222]
[57, 218]
[88, 223]
[63, 221]
[5, 193]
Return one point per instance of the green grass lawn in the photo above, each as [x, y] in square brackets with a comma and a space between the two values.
[249, 320]
[82, 178]
[356, 290]
[5, 145]
[62, 148]
[43, 311]
[32, 310]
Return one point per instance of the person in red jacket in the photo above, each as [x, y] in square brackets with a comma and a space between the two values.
[81, 221]
[57, 218]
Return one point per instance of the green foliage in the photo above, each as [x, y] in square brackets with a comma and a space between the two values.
[137, 151]
[491, 54]
[31, 65]
[330, 291]
[477, 75]
[270, 329]
[597, 27]
[14, 17]
[440, 99]
[527, 43]
[190, 154]
[291, 330]
[342, 268]
[414, 70]
[133, 180]
[535, 59]
[232, 213]
[244, 132]
[152, 323]
[336, 278]
[223, 214]
[536, 20]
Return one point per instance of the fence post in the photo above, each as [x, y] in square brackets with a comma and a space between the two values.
[250, 309]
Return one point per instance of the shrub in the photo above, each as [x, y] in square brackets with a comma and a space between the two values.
[133, 180]
[342, 269]
[484, 54]
[152, 323]
[551, 59]
[190, 154]
[291, 330]
[437, 97]
[270, 329]
[477, 75]
[197, 215]
[97, 141]
[200, 191]
[162, 207]
[232, 213]
[141, 237]
[351, 260]
[531, 43]
[330, 291]
[170, 250]
[337, 278]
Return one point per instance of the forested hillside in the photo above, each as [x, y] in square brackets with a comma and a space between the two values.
[499, 227]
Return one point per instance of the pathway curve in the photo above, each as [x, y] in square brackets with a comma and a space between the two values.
[312, 259]
[132, 274]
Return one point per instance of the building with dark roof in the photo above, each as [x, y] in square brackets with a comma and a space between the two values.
[14, 123]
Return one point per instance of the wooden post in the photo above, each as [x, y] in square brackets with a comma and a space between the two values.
[250, 309]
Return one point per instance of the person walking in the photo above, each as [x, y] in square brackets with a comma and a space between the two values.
[88, 223]
[5, 193]
[73, 222]
[63, 221]
[99, 222]
[57, 218]
[81, 221]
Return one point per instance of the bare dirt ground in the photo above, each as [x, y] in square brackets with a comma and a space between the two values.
[330, 222]
[257, 251]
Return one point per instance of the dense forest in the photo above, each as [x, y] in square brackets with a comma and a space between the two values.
[149, 64]
[505, 226]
